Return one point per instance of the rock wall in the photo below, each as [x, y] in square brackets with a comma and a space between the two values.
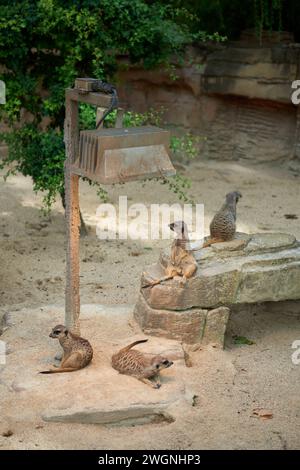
[237, 96]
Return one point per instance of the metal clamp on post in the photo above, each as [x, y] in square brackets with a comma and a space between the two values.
[87, 85]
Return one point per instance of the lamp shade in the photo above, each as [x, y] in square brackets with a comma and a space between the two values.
[119, 155]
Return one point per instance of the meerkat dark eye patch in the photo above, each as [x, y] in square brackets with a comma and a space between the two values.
[166, 362]
[56, 332]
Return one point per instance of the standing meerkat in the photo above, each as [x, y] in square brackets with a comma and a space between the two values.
[77, 351]
[223, 225]
[132, 362]
[182, 261]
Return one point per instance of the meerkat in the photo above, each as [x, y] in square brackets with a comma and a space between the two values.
[77, 352]
[182, 262]
[132, 362]
[223, 225]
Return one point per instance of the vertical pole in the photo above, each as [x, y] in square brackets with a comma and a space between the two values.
[72, 297]
[99, 114]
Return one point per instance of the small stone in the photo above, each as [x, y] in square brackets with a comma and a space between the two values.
[215, 327]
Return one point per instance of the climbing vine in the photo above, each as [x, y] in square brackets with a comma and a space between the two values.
[268, 15]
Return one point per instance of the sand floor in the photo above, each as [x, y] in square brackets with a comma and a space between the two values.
[229, 384]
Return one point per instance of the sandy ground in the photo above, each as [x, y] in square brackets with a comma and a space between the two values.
[229, 384]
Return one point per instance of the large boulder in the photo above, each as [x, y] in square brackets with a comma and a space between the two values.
[250, 269]
[264, 267]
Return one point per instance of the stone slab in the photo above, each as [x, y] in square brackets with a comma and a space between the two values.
[191, 326]
[186, 325]
[97, 394]
[266, 268]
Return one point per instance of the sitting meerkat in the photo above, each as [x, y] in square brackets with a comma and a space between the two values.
[77, 352]
[223, 225]
[182, 262]
[132, 362]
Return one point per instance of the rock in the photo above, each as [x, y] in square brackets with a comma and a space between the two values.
[211, 287]
[191, 326]
[248, 72]
[215, 327]
[266, 269]
[4, 321]
[237, 94]
[270, 241]
[233, 245]
[136, 415]
[103, 396]
[96, 394]
[250, 269]
[186, 325]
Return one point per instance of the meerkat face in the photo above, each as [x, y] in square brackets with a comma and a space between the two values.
[160, 362]
[233, 196]
[58, 331]
[179, 227]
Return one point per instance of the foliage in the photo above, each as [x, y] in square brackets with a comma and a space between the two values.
[264, 14]
[39, 155]
[242, 340]
[45, 44]
[229, 18]
[87, 117]
[185, 148]
[178, 184]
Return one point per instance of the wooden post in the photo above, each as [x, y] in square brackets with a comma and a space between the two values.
[99, 113]
[119, 120]
[72, 298]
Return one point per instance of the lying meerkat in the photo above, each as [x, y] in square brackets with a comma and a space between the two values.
[77, 352]
[223, 225]
[182, 261]
[132, 362]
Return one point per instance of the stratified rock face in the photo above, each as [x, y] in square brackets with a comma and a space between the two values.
[267, 268]
[250, 269]
[237, 95]
[250, 72]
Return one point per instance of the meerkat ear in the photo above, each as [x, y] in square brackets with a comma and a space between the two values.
[66, 332]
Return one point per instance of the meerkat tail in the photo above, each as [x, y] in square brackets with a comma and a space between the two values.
[133, 344]
[58, 370]
[159, 281]
[211, 241]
